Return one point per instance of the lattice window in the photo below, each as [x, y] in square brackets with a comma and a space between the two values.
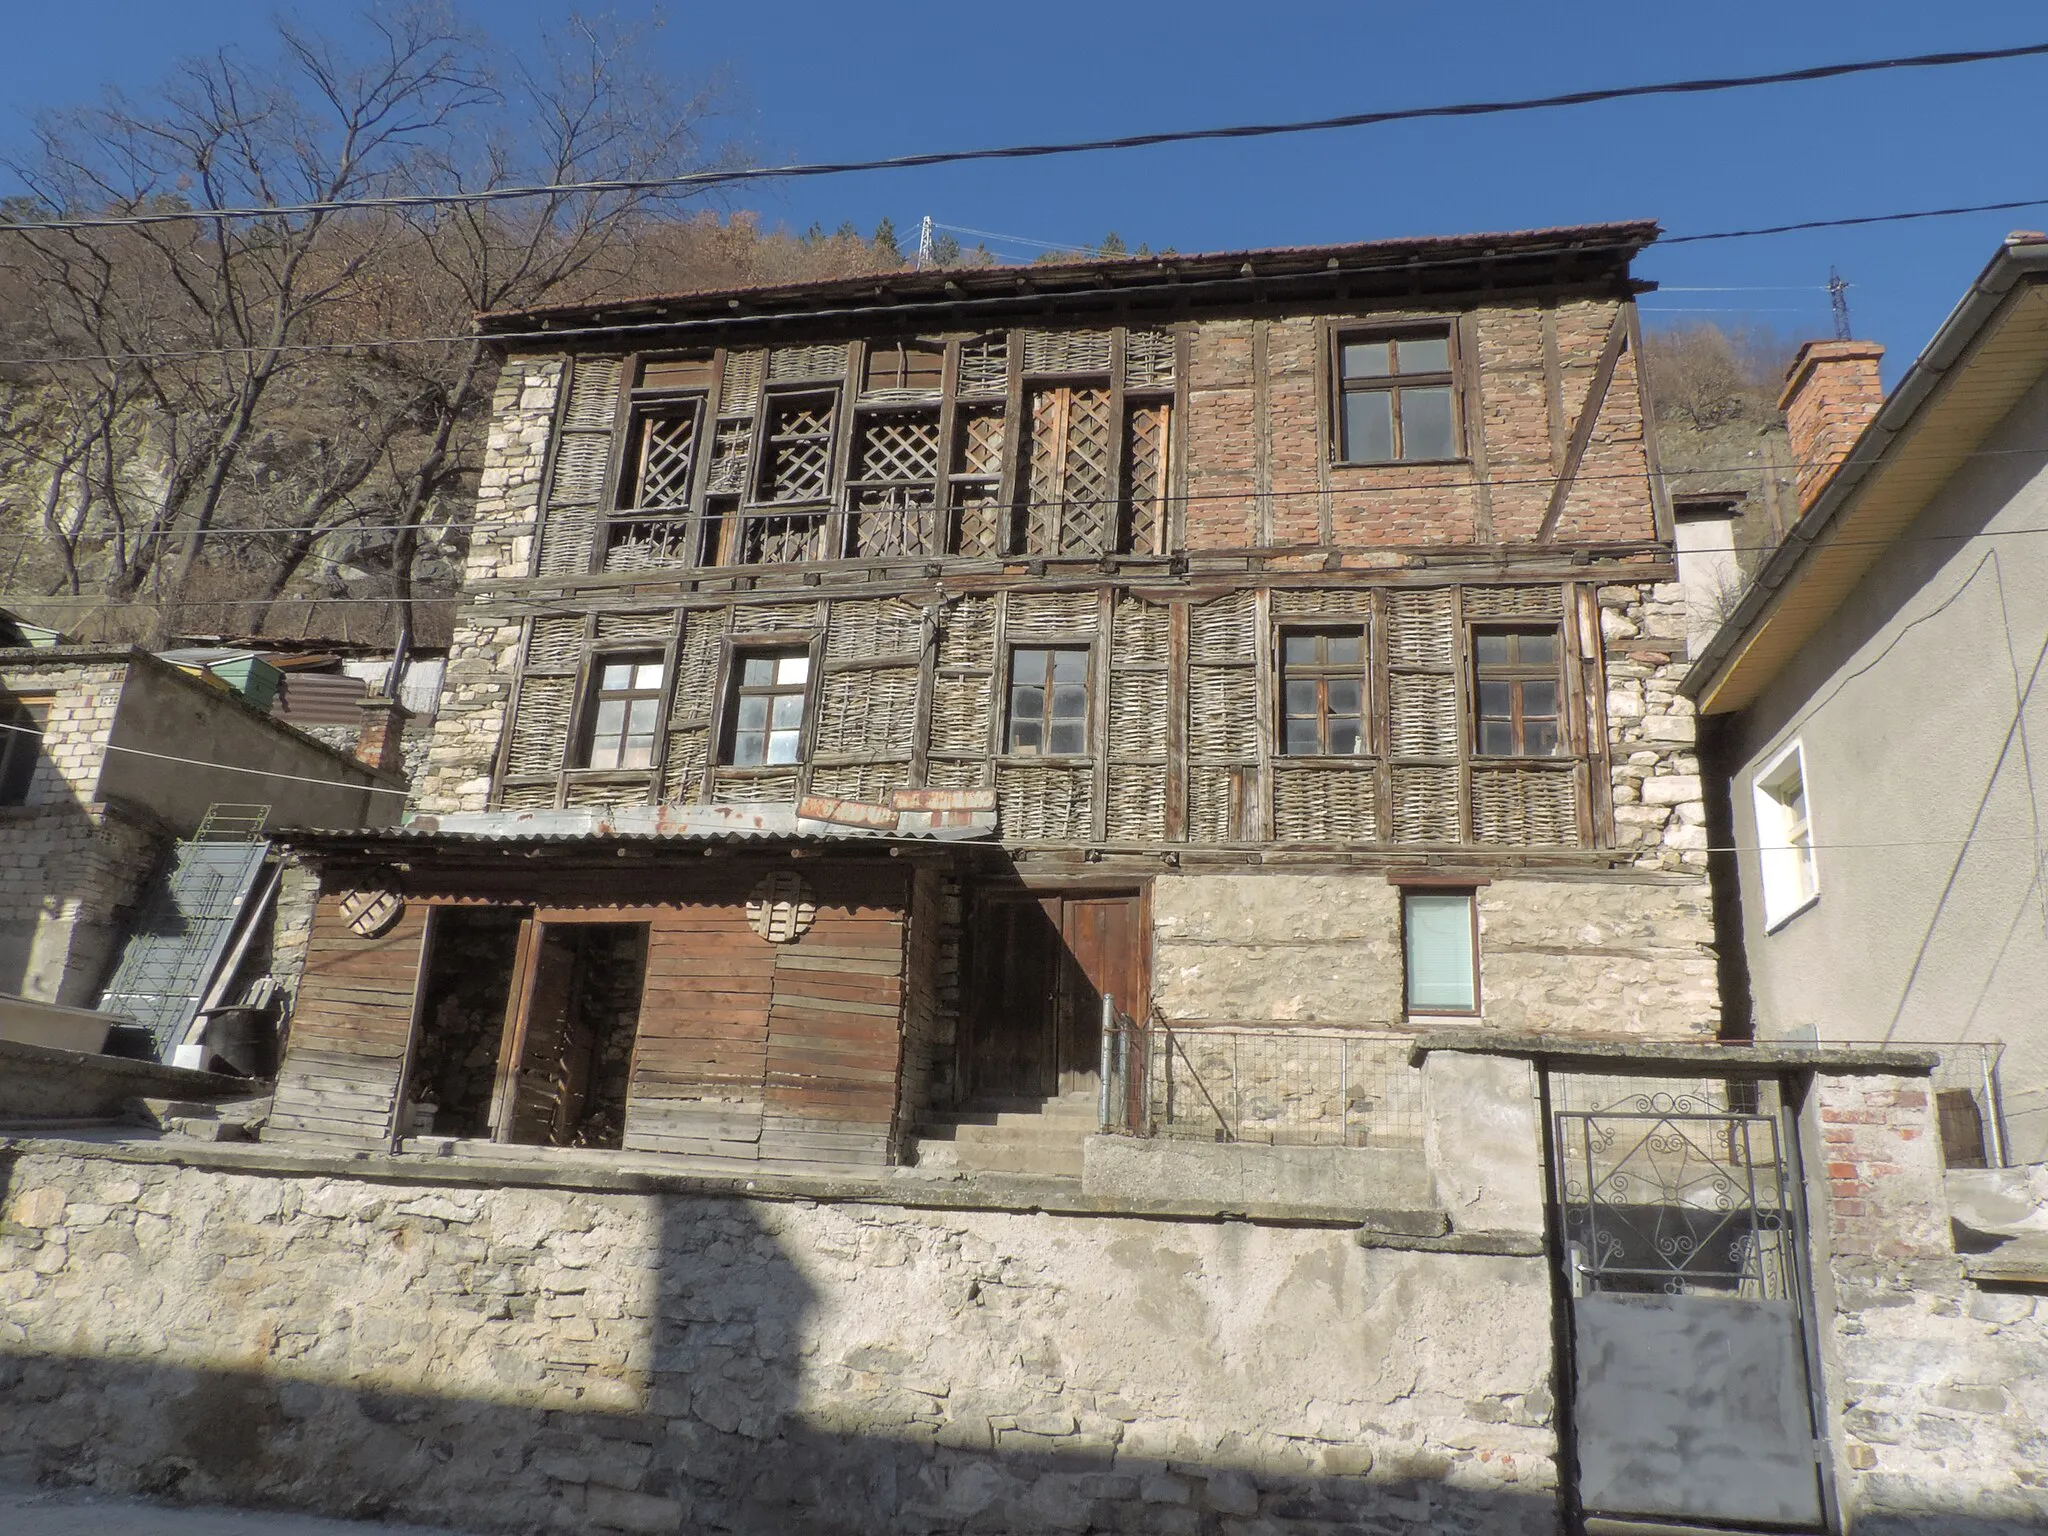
[796, 454]
[1067, 509]
[894, 487]
[976, 481]
[666, 455]
[1146, 435]
[781, 540]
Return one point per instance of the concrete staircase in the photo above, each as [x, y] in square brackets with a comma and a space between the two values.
[1024, 1138]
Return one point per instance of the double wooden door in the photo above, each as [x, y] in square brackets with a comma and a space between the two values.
[1040, 965]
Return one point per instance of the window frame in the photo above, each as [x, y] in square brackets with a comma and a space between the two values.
[1787, 882]
[1515, 675]
[735, 652]
[594, 694]
[1468, 890]
[34, 708]
[1321, 673]
[1339, 333]
[1006, 751]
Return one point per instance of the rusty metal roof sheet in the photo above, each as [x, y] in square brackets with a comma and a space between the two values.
[808, 821]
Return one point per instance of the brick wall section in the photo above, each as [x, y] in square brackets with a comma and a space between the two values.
[484, 652]
[1832, 390]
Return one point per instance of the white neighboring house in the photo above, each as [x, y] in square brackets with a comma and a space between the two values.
[1876, 718]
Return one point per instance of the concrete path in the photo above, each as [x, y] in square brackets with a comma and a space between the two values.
[30, 1512]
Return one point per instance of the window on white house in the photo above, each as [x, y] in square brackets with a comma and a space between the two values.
[1440, 935]
[1784, 837]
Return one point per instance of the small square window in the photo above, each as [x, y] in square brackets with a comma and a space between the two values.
[1519, 693]
[1784, 837]
[770, 698]
[1440, 939]
[625, 710]
[1396, 398]
[1048, 702]
[1322, 692]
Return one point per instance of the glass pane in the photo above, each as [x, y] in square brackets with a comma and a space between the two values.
[782, 746]
[1298, 648]
[1440, 951]
[1346, 696]
[1425, 354]
[1426, 425]
[1492, 649]
[1301, 699]
[617, 675]
[1067, 741]
[1368, 427]
[1027, 737]
[1345, 737]
[756, 671]
[1027, 703]
[1029, 666]
[1069, 702]
[1365, 359]
[638, 752]
[1069, 666]
[1539, 698]
[1539, 649]
[753, 713]
[1496, 700]
[611, 717]
[1346, 649]
[640, 718]
[1497, 738]
[1301, 738]
[1539, 738]
[748, 748]
[647, 675]
[789, 712]
[793, 669]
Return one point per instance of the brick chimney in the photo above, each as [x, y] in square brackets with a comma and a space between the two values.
[1832, 390]
[381, 741]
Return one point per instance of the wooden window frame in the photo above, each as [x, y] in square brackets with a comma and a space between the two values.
[1452, 377]
[594, 695]
[1322, 673]
[1469, 890]
[1515, 674]
[1788, 870]
[1086, 651]
[736, 650]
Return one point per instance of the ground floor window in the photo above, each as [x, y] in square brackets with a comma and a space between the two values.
[1440, 937]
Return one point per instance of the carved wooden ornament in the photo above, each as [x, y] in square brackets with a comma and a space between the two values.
[372, 907]
[782, 907]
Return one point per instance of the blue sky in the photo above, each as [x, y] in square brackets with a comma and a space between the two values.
[816, 80]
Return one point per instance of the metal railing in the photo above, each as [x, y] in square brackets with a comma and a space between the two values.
[1260, 1083]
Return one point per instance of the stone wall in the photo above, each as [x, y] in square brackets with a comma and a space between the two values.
[572, 1359]
[1659, 808]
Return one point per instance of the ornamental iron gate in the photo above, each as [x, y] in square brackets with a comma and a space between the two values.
[1679, 1215]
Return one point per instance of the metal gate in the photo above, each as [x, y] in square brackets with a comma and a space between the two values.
[1679, 1210]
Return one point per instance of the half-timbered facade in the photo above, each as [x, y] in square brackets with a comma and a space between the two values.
[1277, 644]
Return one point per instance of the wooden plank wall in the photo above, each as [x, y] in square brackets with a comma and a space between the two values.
[349, 1034]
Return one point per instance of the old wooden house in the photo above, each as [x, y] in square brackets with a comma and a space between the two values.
[883, 700]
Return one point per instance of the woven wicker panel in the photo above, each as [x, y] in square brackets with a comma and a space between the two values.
[740, 388]
[967, 633]
[1031, 614]
[865, 627]
[733, 441]
[873, 709]
[635, 626]
[540, 731]
[581, 462]
[1137, 714]
[584, 795]
[697, 667]
[1526, 807]
[1324, 805]
[683, 770]
[1209, 791]
[556, 641]
[647, 544]
[827, 362]
[1066, 351]
[762, 618]
[948, 773]
[1348, 602]
[527, 797]
[1141, 631]
[860, 781]
[1148, 359]
[1419, 632]
[752, 788]
[1223, 713]
[1422, 714]
[985, 364]
[593, 395]
[1039, 804]
[960, 712]
[1514, 602]
[1137, 803]
[1426, 805]
[565, 542]
[1225, 630]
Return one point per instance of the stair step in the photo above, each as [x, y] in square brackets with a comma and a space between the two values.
[970, 1157]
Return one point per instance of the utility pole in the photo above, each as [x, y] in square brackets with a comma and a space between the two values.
[924, 243]
[1838, 296]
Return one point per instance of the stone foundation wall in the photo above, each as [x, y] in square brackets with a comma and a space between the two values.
[565, 1359]
[70, 876]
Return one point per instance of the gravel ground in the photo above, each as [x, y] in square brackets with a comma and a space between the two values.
[31, 1512]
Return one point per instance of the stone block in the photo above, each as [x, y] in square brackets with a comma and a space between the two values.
[1671, 789]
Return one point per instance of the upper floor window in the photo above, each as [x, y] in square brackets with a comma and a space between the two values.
[624, 712]
[770, 696]
[1048, 701]
[1322, 692]
[1395, 397]
[1519, 693]
[21, 746]
[1784, 836]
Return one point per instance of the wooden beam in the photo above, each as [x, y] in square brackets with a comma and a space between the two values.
[1582, 430]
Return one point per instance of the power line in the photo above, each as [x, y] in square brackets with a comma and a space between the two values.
[1857, 220]
[707, 179]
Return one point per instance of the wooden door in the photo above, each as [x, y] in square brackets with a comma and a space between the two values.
[554, 1056]
[1105, 958]
[1041, 964]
